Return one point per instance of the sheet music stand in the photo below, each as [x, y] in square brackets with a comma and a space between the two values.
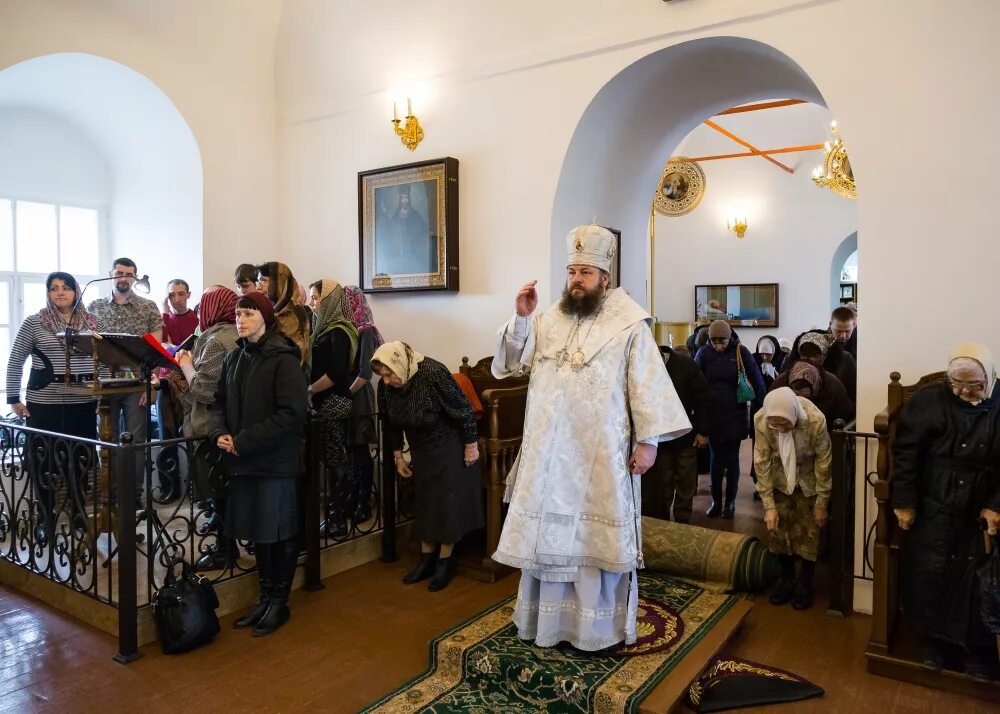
[116, 352]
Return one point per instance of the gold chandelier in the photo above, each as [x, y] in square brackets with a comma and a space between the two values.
[835, 172]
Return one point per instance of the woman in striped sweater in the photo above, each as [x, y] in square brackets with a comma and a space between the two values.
[52, 404]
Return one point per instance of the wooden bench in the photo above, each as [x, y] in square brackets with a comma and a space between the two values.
[894, 648]
[500, 432]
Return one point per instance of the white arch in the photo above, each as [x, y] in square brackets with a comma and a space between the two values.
[156, 211]
[639, 117]
[840, 256]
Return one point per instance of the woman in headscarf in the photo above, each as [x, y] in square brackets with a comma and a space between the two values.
[945, 488]
[202, 367]
[334, 351]
[52, 404]
[821, 349]
[257, 420]
[363, 435]
[821, 388]
[290, 313]
[418, 396]
[768, 357]
[792, 457]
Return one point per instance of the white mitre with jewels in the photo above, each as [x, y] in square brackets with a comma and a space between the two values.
[590, 245]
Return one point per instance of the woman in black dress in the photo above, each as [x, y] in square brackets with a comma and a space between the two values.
[419, 396]
[258, 419]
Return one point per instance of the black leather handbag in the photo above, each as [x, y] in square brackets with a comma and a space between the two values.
[184, 610]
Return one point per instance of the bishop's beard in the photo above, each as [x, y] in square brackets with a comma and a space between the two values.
[584, 305]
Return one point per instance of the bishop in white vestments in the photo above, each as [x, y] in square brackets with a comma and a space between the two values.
[599, 401]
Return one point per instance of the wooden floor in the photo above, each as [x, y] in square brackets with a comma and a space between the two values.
[366, 633]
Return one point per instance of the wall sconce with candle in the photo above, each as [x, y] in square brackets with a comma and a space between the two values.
[738, 227]
[411, 133]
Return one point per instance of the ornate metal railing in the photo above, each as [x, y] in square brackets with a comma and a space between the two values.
[855, 456]
[69, 512]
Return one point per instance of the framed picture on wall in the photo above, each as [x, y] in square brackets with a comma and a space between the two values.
[616, 262]
[741, 305]
[408, 227]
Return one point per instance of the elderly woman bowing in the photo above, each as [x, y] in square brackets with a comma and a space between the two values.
[945, 487]
[792, 456]
[419, 396]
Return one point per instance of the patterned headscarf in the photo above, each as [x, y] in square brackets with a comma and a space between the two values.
[807, 373]
[820, 339]
[53, 320]
[331, 314]
[360, 314]
[290, 313]
[217, 305]
[399, 357]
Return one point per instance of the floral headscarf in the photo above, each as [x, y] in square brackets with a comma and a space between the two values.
[808, 373]
[360, 314]
[291, 315]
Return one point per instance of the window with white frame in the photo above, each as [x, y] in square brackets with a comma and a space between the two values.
[36, 239]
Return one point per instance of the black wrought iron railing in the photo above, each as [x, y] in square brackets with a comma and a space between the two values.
[855, 458]
[71, 511]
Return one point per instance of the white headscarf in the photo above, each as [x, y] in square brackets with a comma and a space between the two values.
[782, 402]
[400, 358]
[784, 343]
[979, 354]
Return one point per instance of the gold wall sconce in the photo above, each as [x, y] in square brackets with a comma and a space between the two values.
[411, 133]
[739, 227]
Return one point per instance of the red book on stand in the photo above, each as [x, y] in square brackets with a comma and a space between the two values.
[155, 344]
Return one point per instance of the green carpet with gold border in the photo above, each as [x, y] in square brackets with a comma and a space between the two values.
[481, 666]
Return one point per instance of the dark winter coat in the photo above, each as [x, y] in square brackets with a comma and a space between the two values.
[261, 402]
[945, 464]
[728, 419]
[692, 389]
[831, 399]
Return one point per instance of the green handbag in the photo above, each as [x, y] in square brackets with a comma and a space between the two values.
[744, 392]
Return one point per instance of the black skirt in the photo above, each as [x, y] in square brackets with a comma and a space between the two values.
[449, 494]
[262, 509]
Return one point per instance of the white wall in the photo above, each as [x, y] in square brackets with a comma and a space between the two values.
[46, 158]
[794, 227]
[154, 166]
[503, 87]
[215, 63]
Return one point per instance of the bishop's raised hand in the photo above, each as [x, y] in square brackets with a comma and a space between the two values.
[527, 299]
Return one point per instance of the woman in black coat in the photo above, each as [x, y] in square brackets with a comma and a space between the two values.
[728, 423]
[418, 395]
[258, 419]
[945, 488]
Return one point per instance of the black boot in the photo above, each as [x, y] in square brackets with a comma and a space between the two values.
[782, 590]
[716, 508]
[802, 598]
[286, 556]
[424, 569]
[729, 510]
[442, 575]
[264, 577]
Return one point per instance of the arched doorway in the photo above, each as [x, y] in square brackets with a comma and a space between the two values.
[837, 264]
[153, 210]
[629, 129]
